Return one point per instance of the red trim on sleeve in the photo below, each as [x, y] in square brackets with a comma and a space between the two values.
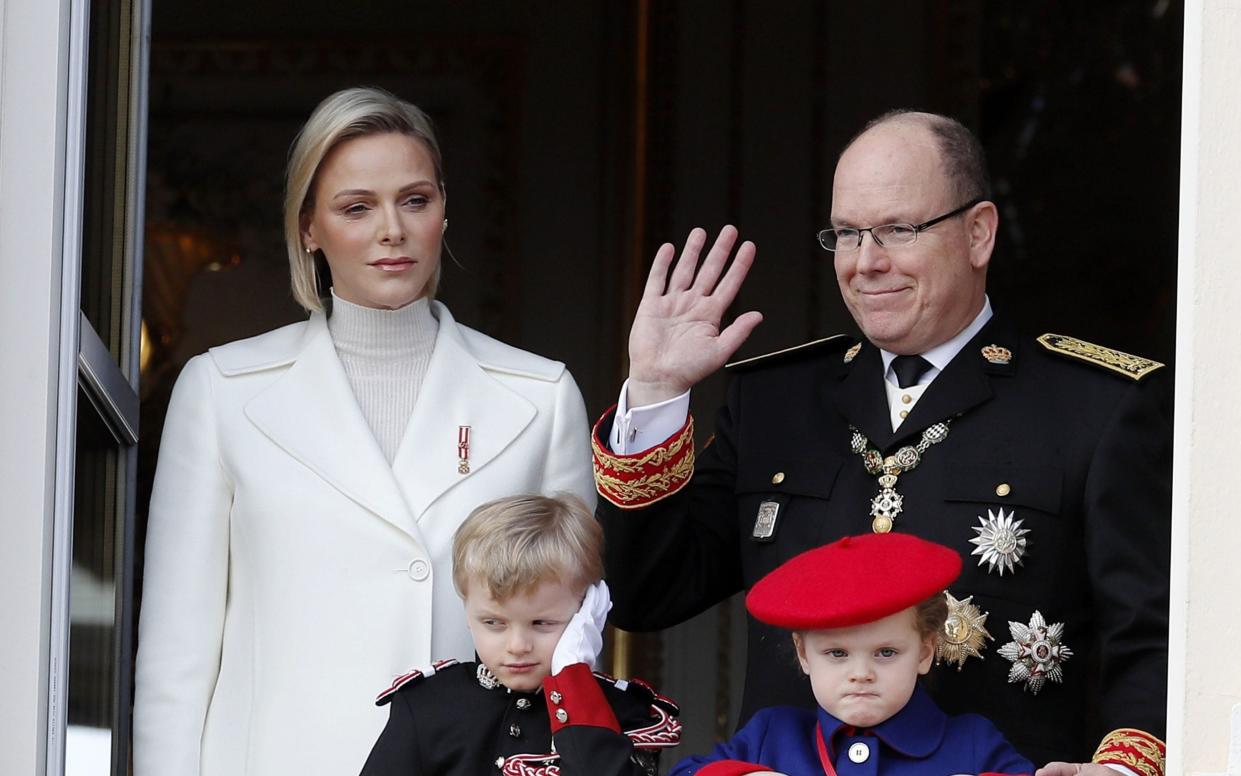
[731, 768]
[1137, 750]
[634, 481]
[575, 692]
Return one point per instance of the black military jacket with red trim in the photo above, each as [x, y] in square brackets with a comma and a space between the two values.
[1077, 451]
[449, 724]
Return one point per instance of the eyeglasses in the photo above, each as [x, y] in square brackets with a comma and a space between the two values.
[885, 235]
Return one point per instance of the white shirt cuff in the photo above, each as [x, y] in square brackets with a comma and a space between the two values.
[1121, 769]
[638, 429]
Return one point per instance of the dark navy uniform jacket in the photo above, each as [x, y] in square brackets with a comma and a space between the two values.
[448, 724]
[920, 740]
[1085, 454]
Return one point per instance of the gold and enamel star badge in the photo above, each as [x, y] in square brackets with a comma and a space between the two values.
[1001, 541]
[1037, 652]
[965, 634]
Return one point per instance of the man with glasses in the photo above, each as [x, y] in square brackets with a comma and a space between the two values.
[1045, 462]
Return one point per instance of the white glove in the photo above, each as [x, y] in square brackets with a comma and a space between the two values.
[582, 639]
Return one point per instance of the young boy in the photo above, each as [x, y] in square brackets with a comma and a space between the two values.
[865, 612]
[529, 569]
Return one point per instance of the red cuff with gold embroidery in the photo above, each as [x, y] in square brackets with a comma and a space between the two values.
[575, 698]
[634, 481]
[1135, 749]
[731, 768]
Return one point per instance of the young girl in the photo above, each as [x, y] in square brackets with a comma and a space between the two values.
[865, 612]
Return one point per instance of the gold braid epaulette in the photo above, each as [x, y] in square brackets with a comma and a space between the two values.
[1131, 366]
[634, 481]
[1135, 749]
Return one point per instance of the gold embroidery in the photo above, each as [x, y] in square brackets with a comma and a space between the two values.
[1132, 366]
[997, 354]
[757, 359]
[657, 456]
[642, 491]
[1134, 749]
[634, 481]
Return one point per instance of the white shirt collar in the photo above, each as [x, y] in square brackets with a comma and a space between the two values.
[940, 355]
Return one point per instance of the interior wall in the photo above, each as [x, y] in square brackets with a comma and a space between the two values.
[746, 105]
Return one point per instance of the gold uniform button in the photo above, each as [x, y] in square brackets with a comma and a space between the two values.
[906, 398]
[1003, 489]
[777, 478]
[904, 414]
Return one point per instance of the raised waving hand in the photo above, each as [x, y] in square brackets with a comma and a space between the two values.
[676, 339]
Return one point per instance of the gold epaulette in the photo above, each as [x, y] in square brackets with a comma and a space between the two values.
[1133, 367]
[797, 350]
[1137, 750]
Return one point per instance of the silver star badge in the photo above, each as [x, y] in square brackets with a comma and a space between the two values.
[1001, 541]
[1037, 652]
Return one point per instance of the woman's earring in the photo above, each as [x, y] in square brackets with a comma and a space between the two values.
[308, 251]
[445, 229]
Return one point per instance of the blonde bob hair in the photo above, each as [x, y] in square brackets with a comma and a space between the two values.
[512, 544]
[347, 114]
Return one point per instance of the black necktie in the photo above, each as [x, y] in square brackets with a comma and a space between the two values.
[909, 369]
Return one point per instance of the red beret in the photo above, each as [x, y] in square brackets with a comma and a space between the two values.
[855, 580]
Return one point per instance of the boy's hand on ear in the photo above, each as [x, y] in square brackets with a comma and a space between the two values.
[582, 639]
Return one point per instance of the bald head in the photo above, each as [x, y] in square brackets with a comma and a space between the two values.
[909, 297]
[961, 155]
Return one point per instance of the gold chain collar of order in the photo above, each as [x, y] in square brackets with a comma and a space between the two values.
[887, 504]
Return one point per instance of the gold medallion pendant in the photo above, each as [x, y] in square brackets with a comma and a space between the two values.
[964, 635]
[1037, 652]
[887, 504]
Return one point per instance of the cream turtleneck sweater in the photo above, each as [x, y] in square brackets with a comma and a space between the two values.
[385, 354]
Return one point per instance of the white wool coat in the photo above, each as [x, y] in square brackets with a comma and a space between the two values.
[291, 572]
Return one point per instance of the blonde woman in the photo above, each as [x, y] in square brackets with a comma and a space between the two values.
[311, 478]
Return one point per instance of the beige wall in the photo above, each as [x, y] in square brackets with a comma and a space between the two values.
[32, 55]
[1205, 672]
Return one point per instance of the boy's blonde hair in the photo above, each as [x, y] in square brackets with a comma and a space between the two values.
[514, 543]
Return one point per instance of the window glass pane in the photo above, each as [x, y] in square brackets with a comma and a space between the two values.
[109, 176]
[98, 497]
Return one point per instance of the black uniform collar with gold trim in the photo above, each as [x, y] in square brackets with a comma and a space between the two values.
[964, 383]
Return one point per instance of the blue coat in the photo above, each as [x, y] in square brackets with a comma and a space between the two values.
[919, 740]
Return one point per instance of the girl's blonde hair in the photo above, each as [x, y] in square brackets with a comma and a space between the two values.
[512, 544]
[347, 114]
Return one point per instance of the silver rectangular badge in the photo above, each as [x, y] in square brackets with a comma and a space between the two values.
[765, 522]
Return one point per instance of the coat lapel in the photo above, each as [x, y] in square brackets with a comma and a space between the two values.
[861, 398]
[311, 413]
[457, 392]
[964, 384]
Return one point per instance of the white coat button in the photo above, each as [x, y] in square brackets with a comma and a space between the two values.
[419, 570]
[859, 752]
